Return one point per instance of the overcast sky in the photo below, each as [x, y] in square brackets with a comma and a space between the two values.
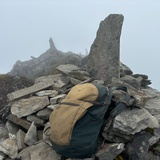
[27, 25]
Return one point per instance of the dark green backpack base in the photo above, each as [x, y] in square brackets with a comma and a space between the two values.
[75, 151]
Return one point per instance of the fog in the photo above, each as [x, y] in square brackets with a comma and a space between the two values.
[27, 25]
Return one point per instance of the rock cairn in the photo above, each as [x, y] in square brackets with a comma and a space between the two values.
[22, 136]
[133, 133]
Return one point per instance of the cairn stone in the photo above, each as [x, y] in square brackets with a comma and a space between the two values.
[104, 56]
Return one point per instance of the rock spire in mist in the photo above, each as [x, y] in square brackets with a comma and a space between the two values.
[103, 60]
[52, 45]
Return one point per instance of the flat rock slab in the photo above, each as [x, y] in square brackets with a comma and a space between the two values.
[40, 151]
[133, 121]
[25, 107]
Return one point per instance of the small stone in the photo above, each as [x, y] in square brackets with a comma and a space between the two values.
[31, 135]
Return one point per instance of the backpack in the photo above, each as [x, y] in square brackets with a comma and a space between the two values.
[76, 123]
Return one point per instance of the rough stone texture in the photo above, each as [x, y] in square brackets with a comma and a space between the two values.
[56, 99]
[49, 93]
[143, 117]
[110, 151]
[53, 106]
[40, 151]
[133, 121]
[20, 140]
[38, 121]
[103, 60]
[24, 107]
[9, 147]
[66, 69]
[44, 113]
[28, 90]
[21, 122]
[153, 102]
[31, 136]
[58, 79]
[138, 148]
[12, 129]
[140, 96]
[125, 70]
[3, 131]
[134, 82]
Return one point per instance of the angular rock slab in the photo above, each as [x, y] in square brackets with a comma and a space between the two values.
[152, 104]
[20, 140]
[104, 57]
[19, 121]
[58, 80]
[9, 147]
[25, 107]
[31, 136]
[66, 69]
[133, 121]
[40, 151]
[73, 71]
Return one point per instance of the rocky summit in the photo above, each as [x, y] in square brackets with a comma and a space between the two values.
[133, 135]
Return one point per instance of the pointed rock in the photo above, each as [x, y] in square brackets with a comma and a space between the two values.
[52, 45]
[104, 57]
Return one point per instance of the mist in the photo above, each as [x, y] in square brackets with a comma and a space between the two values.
[27, 25]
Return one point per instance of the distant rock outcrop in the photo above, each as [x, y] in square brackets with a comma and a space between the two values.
[45, 64]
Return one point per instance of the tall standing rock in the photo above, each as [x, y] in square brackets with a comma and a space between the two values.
[104, 57]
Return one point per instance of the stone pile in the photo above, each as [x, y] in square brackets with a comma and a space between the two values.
[22, 136]
[132, 134]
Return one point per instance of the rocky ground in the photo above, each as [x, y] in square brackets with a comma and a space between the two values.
[133, 133]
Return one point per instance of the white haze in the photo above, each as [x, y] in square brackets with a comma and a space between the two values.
[27, 25]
